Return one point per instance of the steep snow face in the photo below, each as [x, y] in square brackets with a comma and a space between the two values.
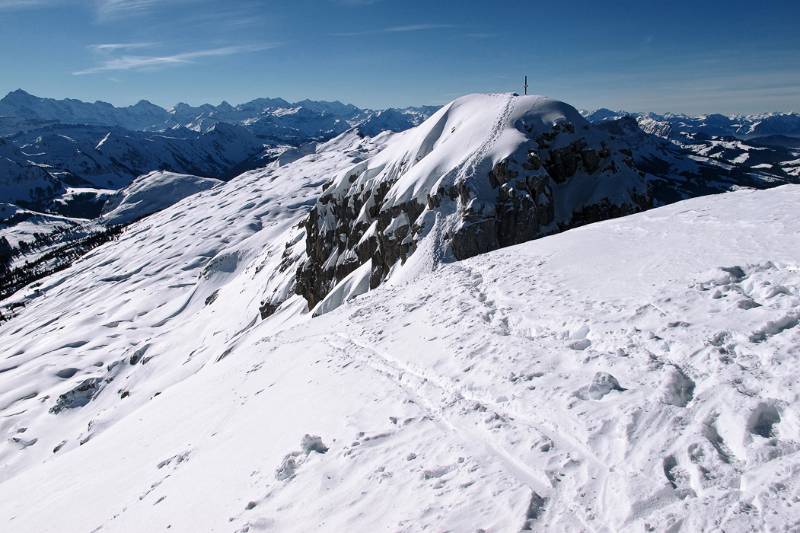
[484, 171]
[150, 193]
[488, 171]
[635, 374]
[137, 315]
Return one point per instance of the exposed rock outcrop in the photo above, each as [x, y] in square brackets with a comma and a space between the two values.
[482, 173]
[555, 172]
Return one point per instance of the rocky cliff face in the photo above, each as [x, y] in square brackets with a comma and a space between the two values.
[529, 190]
[485, 172]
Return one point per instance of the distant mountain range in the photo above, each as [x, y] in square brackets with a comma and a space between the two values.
[678, 126]
[273, 119]
[52, 148]
[758, 145]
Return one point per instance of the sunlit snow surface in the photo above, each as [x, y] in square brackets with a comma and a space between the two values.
[152, 192]
[634, 374]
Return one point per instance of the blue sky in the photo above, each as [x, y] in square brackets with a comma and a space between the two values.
[699, 56]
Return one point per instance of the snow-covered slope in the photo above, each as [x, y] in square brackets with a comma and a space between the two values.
[654, 390]
[54, 148]
[396, 120]
[151, 291]
[484, 172]
[453, 182]
[150, 193]
[634, 374]
[111, 157]
[20, 225]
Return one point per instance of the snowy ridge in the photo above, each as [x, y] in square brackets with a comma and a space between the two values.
[513, 390]
[150, 193]
[488, 171]
[54, 148]
[266, 117]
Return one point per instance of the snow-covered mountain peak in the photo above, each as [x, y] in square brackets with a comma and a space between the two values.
[472, 128]
[17, 95]
[485, 171]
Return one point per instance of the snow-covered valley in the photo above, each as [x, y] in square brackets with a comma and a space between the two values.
[352, 338]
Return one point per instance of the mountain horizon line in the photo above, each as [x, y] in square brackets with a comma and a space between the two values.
[280, 101]
[22, 93]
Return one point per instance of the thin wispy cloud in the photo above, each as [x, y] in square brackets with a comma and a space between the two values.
[396, 29]
[108, 48]
[230, 17]
[139, 62]
[114, 9]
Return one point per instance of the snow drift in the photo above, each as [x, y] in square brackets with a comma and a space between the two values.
[150, 193]
[515, 390]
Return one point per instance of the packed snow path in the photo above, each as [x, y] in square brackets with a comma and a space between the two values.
[636, 374]
[479, 155]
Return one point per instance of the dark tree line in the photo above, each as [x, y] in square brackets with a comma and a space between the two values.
[13, 279]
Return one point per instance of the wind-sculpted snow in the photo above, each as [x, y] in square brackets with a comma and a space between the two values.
[137, 315]
[637, 374]
[150, 193]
